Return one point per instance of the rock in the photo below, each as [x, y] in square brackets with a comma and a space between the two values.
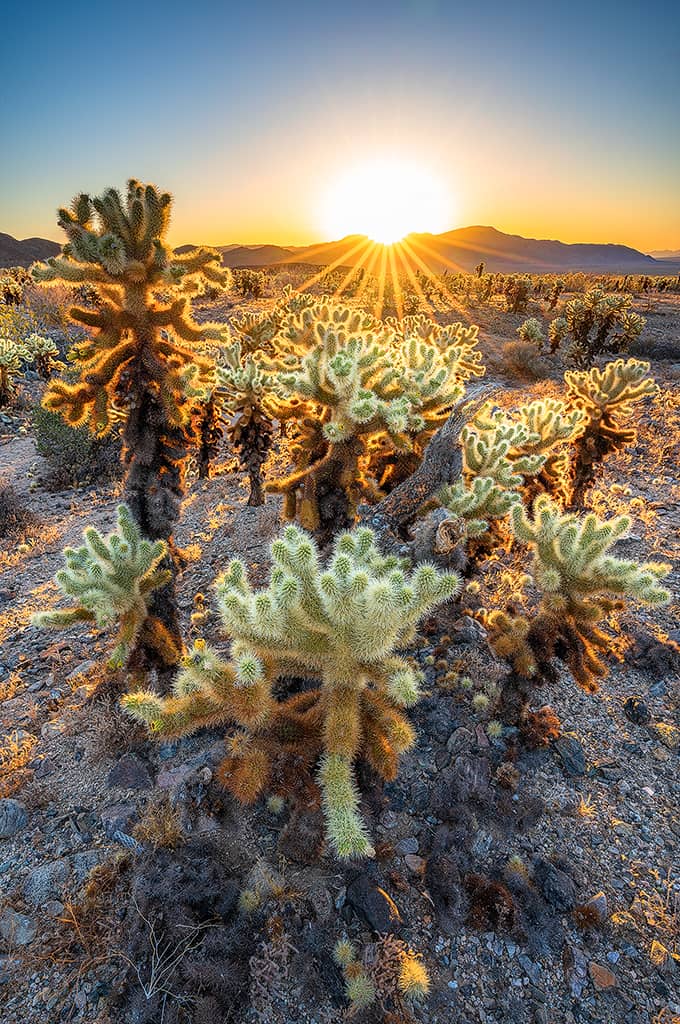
[409, 845]
[83, 669]
[460, 740]
[130, 773]
[50, 729]
[570, 752]
[13, 817]
[45, 882]
[597, 905]
[372, 903]
[602, 977]
[555, 884]
[16, 929]
[118, 817]
[415, 863]
[576, 970]
[636, 710]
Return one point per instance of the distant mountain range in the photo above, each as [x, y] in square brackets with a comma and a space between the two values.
[461, 249]
[21, 253]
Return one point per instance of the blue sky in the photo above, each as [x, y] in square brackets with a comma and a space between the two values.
[557, 120]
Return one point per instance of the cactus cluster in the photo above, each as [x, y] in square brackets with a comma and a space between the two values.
[395, 973]
[43, 353]
[110, 580]
[532, 331]
[336, 627]
[596, 323]
[579, 582]
[139, 364]
[500, 451]
[360, 390]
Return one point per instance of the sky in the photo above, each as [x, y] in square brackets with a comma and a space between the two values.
[550, 120]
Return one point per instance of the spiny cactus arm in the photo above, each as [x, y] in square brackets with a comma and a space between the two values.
[62, 618]
[59, 268]
[346, 831]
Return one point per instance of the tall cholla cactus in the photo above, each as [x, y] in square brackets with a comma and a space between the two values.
[338, 627]
[140, 365]
[605, 397]
[249, 408]
[10, 365]
[43, 353]
[110, 579]
[360, 391]
[580, 583]
[597, 323]
[500, 452]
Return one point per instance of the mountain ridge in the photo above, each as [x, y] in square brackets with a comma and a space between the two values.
[459, 249]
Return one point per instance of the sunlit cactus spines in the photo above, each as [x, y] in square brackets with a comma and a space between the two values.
[110, 580]
[531, 330]
[579, 582]
[606, 398]
[43, 353]
[10, 370]
[337, 626]
[360, 391]
[140, 364]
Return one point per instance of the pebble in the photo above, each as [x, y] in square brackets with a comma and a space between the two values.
[571, 754]
[17, 929]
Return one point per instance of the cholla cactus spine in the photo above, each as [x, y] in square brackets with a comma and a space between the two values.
[339, 627]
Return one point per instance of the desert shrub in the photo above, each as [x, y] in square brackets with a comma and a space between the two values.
[16, 519]
[75, 457]
[338, 628]
[523, 360]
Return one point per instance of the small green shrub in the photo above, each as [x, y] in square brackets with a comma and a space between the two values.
[75, 457]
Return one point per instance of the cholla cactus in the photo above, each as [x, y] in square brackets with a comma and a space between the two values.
[140, 365]
[580, 582]
[557, 332]
[517, 289]
[500, 452]
[532, 331]
[250, 408]
[338, 627]
[556, 289]
[110, 580]
[590, 321]
[604, 397]
[395, 973]
[10, 365]
[43, 353]
[361, 390]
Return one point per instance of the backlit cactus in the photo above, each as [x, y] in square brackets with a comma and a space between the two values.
[532, 331]
[43, 353]
[597, 323]
[337, 627]
[580, 582]
[605, 397]
[10, 366]
[110, 580]
[140, 364]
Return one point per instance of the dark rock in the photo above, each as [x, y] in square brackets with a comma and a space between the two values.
[130, 773]
[370, 901]
[555, 884]
[570, 752]
[13, 817]
[636, 710]
[16, 929]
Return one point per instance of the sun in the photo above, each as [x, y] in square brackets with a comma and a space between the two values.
[386, 199]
